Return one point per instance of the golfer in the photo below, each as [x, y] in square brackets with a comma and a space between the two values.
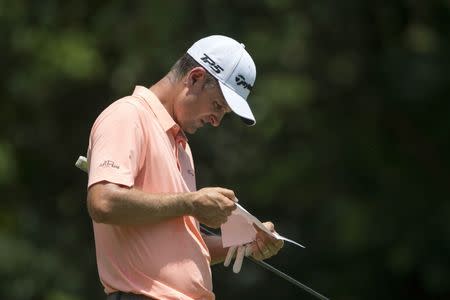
[142, 195]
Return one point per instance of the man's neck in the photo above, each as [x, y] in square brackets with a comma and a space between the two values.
[167, 90]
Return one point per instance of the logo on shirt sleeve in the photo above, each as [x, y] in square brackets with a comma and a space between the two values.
[109, 164]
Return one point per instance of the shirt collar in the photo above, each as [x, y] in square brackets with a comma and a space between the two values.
[162, 115]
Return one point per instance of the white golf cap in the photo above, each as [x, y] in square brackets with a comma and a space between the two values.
[229, 62]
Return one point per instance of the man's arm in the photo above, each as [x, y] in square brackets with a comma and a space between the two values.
[216, 250]
[115, 204]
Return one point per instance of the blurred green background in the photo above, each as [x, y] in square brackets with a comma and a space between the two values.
[349, 155]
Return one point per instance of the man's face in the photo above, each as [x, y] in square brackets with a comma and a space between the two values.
[200, 104]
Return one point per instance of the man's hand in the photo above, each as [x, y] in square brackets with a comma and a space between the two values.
[265, 246]
[213, 206]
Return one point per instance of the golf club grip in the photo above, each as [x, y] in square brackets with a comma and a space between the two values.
[82, 163]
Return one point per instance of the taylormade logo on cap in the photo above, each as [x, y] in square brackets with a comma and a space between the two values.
[229, 62]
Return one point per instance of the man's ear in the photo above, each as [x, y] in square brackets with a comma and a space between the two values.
[196, 76]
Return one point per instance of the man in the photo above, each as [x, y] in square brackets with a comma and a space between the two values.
[141, 191]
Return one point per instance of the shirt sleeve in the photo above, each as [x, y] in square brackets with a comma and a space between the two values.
[115, 145]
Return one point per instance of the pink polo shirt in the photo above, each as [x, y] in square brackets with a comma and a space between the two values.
[135, 142]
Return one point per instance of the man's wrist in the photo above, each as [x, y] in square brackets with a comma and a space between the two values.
[187, 199]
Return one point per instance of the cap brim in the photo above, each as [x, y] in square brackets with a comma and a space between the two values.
[237, 104]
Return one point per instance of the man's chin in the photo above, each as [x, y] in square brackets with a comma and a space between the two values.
[191, 130]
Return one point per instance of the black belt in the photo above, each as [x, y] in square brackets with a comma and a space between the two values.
[126, 296]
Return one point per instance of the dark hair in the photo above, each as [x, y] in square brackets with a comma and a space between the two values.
[187, 63]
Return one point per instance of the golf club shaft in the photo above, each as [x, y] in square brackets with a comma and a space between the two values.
[287, 277]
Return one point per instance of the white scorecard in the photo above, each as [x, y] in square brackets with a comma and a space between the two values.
[238, 230]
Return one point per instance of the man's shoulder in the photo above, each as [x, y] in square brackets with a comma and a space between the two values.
[128, 106]
[130, 103]
[121, 111]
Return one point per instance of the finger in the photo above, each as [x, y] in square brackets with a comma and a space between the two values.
[272, 249]
[222, 219]
[229, 206]
[248, 250]
[270, 226]
[259, 229]
[256, 253]
[216, 222]
[229, 256]
[239, 259]
[257, 250]
[267, 249]
[261, 234]
[279, 244]
[227, 193]
[264, 248]
[225, 203]
[274, 245]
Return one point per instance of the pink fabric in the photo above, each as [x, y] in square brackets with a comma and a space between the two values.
[135, 142]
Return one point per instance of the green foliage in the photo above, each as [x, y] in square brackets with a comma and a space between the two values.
[348, 156]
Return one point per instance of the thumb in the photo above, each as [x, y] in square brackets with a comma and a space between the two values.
[270, 226]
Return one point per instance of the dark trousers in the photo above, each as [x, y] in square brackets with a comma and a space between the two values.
[126, 296]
